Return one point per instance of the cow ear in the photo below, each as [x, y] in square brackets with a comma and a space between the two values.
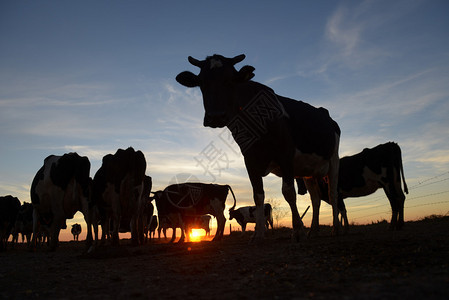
[246, 73]
[187, 79]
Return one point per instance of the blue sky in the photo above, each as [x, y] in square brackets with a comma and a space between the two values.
[95, 76]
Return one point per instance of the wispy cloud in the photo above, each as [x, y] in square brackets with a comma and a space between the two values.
[349, 32]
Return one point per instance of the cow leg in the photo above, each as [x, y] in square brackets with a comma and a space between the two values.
[332, 176]
[344, 215]
[134, 231]
[221, 222]
[400, 199]
[312, 187]
[173, 236]
[288, 191]
[88, 219]
[259, 197]
[394, 216]
[183, 229]
[397, 207]
[400, 223]
[54, 233]
[105, 230]
[218, 208]
[35, 229]
[115, 229]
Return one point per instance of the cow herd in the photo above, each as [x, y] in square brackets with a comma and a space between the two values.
[278, 135]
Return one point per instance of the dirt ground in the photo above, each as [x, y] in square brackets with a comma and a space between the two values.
[369, 262]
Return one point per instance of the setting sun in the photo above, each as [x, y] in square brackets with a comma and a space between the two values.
[196, 235]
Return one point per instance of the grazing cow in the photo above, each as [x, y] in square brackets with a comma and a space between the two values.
[275, 134]
[246, 214]
[117, 193]
[24, 222]
[59, 190]
[9, 208]
[76, 231]
[192, 199]
[365, 172]
[195, 222]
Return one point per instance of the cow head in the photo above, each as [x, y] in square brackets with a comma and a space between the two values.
[218, 80]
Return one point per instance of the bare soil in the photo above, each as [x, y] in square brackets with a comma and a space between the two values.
[370, 262]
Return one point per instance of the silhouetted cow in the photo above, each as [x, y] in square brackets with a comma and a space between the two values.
[76, 231]
[9, 208]
[59, 190]
[192, 199]
[152, 226]
[364, 173]
[24, 222]
[275, 134]
[117, 192]
[246, 214]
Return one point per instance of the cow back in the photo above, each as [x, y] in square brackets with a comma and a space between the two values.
[312, 129]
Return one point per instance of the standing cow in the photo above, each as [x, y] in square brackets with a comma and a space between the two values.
[76, 231]
[364, 173]
[192, 199]
[117, 193]
[152, 226]
[24, 222]
[246, 214]
[275, 134]
[9, 208]
[59, 190]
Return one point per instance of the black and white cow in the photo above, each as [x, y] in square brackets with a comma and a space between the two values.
[9, 208]
[76, 231]
[275, 134]
[59, 190]
[192, 199]
[24, 222]
[364, 173]
[117, 193]
[247, 214]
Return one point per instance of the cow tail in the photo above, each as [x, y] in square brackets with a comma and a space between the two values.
[235, 202]
[402, 170]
